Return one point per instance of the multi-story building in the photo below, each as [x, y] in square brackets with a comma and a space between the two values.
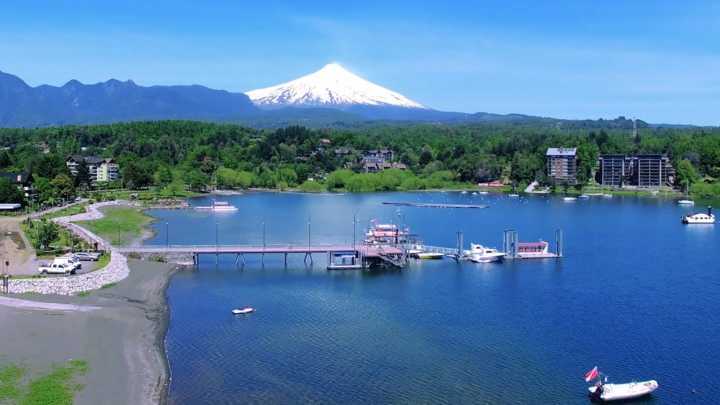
[614, 170]
[654, 171]
[646, 171]
[378, 160]
[562, 165]
[99, 169]
[108, 171]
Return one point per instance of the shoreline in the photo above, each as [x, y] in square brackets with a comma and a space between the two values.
[119, 331]
[119, 328]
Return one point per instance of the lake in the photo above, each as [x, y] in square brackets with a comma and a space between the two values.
[637, 294]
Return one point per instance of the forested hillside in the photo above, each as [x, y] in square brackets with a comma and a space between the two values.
[197, 155]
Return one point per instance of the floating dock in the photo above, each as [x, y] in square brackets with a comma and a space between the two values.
[435, 205]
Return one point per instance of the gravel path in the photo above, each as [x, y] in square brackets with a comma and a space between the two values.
[115, 271]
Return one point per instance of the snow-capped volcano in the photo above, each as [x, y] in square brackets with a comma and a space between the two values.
[331, 86]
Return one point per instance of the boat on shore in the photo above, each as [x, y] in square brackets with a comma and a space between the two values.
[217, 206]
[602, 391]
[243, 311]
[481, 254]
[699, 218]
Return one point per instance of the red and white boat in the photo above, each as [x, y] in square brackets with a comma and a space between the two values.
[531, 250]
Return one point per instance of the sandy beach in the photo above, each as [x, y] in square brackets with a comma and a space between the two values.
[119, 331]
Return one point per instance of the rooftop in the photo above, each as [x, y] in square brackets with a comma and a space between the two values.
[561, 152]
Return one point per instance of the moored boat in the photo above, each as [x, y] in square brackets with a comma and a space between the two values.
[569, 199]
[481, 254]
[218, 206]
[699, 218]
[686, 202]
[429, 255]
[583, 196]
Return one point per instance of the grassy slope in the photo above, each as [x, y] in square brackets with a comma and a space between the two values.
[120, 226]
[57, 387]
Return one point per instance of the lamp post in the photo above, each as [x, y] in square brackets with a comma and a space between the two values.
[167, 235]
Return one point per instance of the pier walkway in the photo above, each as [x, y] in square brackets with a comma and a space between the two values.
[388, 254]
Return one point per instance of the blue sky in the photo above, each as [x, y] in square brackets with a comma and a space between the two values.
[654, 60]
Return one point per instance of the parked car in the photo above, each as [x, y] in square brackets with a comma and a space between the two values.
[69, 259]
[57, 268]
[87, 256]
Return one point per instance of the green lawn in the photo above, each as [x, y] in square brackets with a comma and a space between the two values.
[120, 225]
[72, 210]
[57, 387]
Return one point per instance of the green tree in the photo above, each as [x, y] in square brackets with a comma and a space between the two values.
[686, 174]
[64, 186]
[46, 232]
[9, 192]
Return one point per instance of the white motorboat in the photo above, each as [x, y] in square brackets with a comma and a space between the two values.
[483, 192]
[569, 199]
[218, 206]
[686, 202]
[513, 195]
[699, 218]
[607, 196]
[618, 392]
[606, 392]
[481, 254]
[243, 311]
[583, 196]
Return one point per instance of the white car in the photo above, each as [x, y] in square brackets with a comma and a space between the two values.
[57, 268]
[70, 260]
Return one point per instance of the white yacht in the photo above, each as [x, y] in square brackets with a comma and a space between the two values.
[700, 218]
[481, 254]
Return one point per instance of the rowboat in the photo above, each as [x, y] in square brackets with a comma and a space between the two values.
[243, 311]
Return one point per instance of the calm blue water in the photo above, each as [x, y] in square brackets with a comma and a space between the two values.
[637, 294]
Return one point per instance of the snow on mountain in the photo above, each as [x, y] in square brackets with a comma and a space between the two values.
[331, 86]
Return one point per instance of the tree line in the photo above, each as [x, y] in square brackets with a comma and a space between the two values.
[178, 155]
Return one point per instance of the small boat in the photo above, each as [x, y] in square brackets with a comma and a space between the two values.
[481, 254]
[463, 192]
[618, 392]
[699, 218]
[218, 206]
[569, 199]
[483, 192]
[607, 196]
[243, 311]
[606, 392]
[686, 202]
[513, 195]
[429, 255]
[474, 193]
[583, 196]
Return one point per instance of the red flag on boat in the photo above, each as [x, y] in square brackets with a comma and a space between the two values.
[592, 374]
